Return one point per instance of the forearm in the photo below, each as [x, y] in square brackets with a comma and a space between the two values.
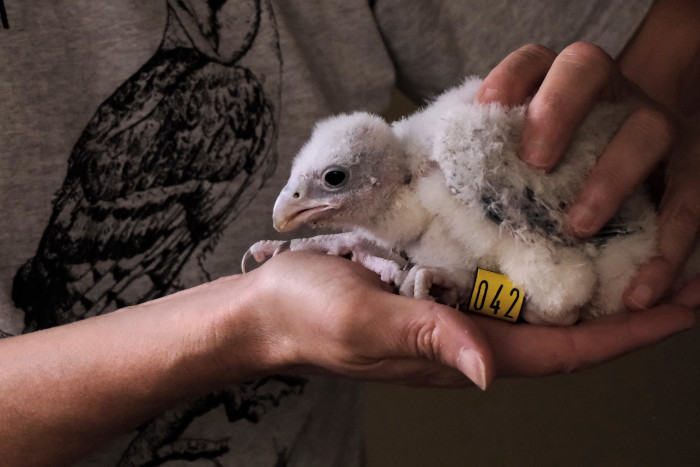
[92, 380]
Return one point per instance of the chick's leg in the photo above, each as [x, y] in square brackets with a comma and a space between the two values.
[385, 263]
[429, 283]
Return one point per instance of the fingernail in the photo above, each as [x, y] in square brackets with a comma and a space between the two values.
[641, 296]
[581, 219]
[489, 95]
[470, 363]
[534, 153]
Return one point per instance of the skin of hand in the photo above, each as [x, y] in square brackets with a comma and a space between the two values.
[299, 313]
[659, 71]
[362, 329]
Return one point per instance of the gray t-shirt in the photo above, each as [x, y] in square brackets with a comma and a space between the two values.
[143, 144]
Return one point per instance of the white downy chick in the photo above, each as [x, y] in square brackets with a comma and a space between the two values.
[446, 187]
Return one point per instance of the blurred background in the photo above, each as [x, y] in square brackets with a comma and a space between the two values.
[640, 410]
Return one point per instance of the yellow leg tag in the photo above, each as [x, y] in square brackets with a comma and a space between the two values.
[495, 295]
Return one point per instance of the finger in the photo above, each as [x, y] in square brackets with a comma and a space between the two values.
[528, 350]
[440, 334]
[416, 372]
[679, 225]
[688, 295]
[641, 143]
[513, 80]
[579, 76]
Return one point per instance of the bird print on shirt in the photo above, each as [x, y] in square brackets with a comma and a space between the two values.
[166, 163]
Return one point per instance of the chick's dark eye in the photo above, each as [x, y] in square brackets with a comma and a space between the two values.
[335, 177]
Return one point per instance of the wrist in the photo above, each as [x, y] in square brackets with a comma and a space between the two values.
[264, 318]
[224, 330]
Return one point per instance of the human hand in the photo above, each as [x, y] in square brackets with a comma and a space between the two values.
[570, 83]
[300, 312]
[325, 314]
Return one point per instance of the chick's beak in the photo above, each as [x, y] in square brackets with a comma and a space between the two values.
[294, 208]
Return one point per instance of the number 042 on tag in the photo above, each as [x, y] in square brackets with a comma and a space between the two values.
[495, 295]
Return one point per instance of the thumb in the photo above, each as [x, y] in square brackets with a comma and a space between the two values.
[443, 335]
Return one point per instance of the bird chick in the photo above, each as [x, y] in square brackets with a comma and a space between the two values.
[445, 187]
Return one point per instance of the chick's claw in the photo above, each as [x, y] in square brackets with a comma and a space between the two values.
[262, 250]
[430, 284]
